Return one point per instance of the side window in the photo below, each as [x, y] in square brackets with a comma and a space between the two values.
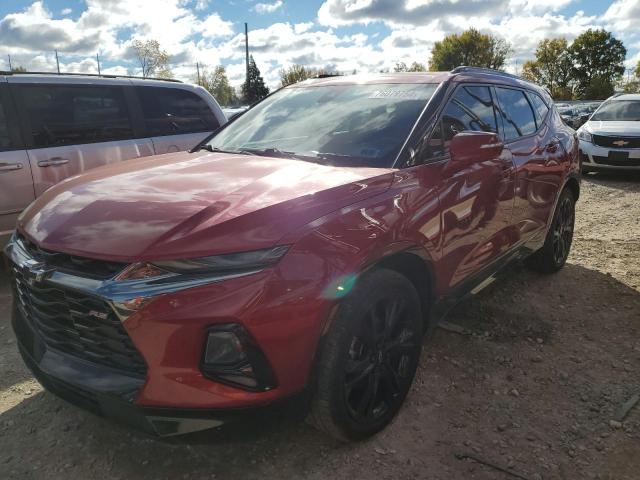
[471, 108]
[518, 119]
[71, 115]
[172, 111]
[5, 137]
[540, 107]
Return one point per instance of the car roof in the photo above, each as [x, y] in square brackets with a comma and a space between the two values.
[463, 74]
[75, 78]
[626, 96]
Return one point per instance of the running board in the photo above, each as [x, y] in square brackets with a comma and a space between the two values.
[484, 284]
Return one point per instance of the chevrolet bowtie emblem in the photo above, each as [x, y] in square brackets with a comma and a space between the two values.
[36, 272]
[620, 143]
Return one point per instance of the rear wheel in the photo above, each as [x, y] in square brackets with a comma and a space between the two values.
[368, 357]
[555, 251]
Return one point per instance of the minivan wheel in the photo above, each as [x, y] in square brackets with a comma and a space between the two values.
[368, 358]
[555, 251]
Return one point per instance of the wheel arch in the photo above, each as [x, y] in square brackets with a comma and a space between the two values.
[573, 184]
[415, 265]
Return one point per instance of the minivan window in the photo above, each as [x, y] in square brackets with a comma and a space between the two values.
[618, 110]
[540, 106]
[173, 111]
[346, 125]
[75, 114]
[471, 108]
[518, 119]
[5, 137]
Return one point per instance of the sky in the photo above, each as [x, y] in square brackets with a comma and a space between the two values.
[337, 35]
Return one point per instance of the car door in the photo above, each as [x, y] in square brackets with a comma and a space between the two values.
[535, 152]
[476, 200]
[72, 127]
[175, 119]
[16, 184]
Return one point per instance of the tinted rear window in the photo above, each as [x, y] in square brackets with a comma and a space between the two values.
[518, 118]
[173, 111]
[5, 138]
[540, 106]
[70, 115]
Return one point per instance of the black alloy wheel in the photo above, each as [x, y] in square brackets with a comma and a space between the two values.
[379, 363]
[368, 357]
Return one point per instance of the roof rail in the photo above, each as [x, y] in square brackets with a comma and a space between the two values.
[90, 75]
[328, 75]
[464, 68]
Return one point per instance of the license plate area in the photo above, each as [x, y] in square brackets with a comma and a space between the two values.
[619, 156]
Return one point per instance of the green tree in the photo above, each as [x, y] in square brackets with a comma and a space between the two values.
[18, 69]
[296, 73]
[470, 48]
[598, 62]
[217, 84]
[153, 61]
[414, 67]
[637, 72]
[552, 68]
[254, 88]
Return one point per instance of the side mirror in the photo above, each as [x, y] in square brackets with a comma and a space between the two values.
[472, 147]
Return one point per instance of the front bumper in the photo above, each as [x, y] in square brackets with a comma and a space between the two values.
[173, 396]
[595, 157]
[111, 395]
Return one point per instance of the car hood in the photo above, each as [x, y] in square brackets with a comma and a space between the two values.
[623, 129]
[186, 205]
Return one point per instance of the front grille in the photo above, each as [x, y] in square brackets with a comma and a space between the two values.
[82, 266]
[630, 162]
[610, 142]
[77, 324]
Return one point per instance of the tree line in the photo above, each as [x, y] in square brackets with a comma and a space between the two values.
[590, 67]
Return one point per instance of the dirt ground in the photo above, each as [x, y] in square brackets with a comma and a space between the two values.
[531, 386]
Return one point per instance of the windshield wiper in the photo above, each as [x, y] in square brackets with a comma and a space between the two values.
[211, 149]
[268, 152]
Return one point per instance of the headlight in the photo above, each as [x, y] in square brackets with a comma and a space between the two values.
[232, 262]
[585, 136]
[219, 264]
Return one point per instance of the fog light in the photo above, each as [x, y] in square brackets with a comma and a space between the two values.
[232, 356]
[223, 348]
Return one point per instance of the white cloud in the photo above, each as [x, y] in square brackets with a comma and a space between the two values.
[403, 12]
[201, 5]
[267, 7]
[66, 11]
[192, 30]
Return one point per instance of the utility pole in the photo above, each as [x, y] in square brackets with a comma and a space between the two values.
[57, 61]
[246, 48]
[98, 60]
[198, 70]
[10, 67]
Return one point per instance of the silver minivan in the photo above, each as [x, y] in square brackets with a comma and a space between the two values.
[56, 126]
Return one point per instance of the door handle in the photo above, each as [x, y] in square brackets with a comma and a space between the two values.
[6, 167]
[53, 161]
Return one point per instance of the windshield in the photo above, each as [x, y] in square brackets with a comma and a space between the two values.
[346, 125]
[620, 110]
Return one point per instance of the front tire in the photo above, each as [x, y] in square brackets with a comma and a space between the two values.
[368, 357]
[555, 251]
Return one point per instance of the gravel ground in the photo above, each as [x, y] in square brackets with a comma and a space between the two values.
[531, 385]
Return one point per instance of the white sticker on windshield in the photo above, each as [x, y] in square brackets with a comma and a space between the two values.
[414, 94]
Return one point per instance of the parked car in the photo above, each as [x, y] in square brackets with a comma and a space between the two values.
[232, 112]
[306, 246]
[56, 126]
[610, 140]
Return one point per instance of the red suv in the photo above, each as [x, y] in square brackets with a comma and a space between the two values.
[306, 246]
